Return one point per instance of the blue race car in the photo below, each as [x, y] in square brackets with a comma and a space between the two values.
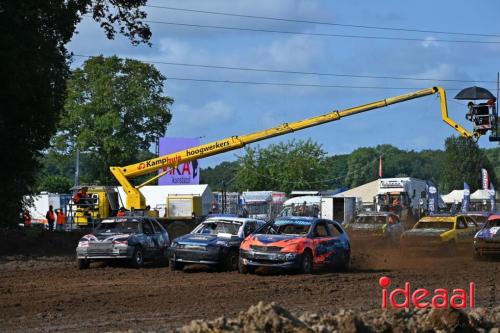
[487, 240]
[216, 242]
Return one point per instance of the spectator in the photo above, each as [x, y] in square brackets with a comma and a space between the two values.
[121, 212]
[26, 219]
[51, 217]
[61, 220]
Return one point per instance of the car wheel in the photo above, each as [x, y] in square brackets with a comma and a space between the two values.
[83, 264]
[306, 262]
[245, 269]
[176, 266]
[231, 261]
[477, 256]
[346, 262]
[137, 259]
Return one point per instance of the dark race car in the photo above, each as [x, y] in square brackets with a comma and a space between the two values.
[299, 243]
[487, 240]
[216, 241]
[479, 217]
[377, 228]
[132, 238]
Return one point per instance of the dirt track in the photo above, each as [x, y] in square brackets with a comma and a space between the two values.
[50, 294]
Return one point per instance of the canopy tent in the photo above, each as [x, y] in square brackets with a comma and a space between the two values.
[453, 196]
[480, 195]
[364, 192]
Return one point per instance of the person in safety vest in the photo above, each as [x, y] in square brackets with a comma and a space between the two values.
[81, 197]
[61, 220]
[26, 219]
[51, 217]
[121, 212]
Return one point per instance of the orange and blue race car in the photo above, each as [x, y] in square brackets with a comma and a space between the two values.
[300, 243]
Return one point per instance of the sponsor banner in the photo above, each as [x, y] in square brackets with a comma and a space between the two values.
[466, 198]
[485, 179]
[492, 197]
[432, 197]
[184, 173]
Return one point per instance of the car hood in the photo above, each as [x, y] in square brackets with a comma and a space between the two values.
[493, 232]
[366, 227]
[425, 232]
[269, 239]
[105, 237]
[201, 239]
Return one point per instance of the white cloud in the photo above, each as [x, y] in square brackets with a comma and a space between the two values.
[429, 42]
[190, 119]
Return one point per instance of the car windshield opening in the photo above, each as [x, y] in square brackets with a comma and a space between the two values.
[434, 225]
[219, 227]
[493, 223]
[127, 226]
[291, 227]
[371, 220]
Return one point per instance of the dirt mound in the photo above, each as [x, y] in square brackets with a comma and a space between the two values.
[274, 318]
[34, 242]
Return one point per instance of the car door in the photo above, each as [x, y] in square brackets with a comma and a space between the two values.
[463, 231]
[322, 243]
[159, 240]
[148, 244]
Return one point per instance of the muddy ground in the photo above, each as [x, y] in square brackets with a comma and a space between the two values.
[50, 294]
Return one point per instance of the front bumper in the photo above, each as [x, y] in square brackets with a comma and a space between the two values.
[270, 259]
[487, 246]
[210, 256]
[90, 253]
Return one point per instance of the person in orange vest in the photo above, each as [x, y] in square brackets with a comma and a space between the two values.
[51, 217]
[26, 219]
[80, 197]
[121, 212]
[61, 220]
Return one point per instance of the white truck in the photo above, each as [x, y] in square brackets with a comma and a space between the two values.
[342, 209]
[403, 196]
[339, 209]
[39, 205]
[263, 205]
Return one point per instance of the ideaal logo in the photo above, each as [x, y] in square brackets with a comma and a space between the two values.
[421, 298]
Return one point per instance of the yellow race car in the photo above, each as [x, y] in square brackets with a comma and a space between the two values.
[440, 233]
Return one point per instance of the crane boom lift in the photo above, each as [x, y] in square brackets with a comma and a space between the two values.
[135, 200]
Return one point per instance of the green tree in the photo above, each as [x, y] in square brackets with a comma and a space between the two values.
[283, 167]
[34, 68]
[463, 161]
[115, 109]
[222, 174]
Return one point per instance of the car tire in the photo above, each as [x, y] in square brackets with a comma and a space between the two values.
[477, 256]
[137, 259]
[345, 263]
[306, 262]
[231, 261]
[176, 266]
[245, 269]
[83, 264]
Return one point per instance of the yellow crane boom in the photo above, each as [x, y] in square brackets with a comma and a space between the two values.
[136, 200]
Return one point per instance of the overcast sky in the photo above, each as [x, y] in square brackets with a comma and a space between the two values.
[216, 110]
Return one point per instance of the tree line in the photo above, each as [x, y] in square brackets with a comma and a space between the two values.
[305, 165]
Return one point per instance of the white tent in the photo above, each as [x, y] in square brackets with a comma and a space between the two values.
[364, 192]
[481, 195]
[453, 196]
[156, 195]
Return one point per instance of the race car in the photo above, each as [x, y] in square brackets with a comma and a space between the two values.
[479, 216]
[487, 240]
[378, 227]
[299, 243]
[216, 241]
[442, 233]
[132, 238]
